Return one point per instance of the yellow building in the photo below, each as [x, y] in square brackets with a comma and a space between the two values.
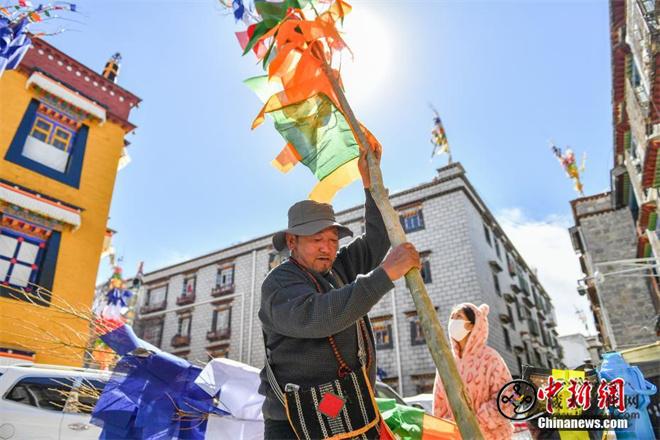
[62, 129]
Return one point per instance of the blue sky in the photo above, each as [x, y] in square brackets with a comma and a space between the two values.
[505, 76]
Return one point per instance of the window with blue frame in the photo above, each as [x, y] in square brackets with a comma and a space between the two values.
[50, 139]
[412, 219]
[50, 142]
[20, 258]
[28, 258]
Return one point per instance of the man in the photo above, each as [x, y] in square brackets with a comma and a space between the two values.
[297, 319]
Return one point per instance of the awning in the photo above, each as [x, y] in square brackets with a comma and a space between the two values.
[40, 205]
[66, 94]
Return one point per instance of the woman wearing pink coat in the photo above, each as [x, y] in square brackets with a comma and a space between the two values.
[482, 369]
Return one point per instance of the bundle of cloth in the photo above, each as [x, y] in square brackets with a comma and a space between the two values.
[155, 395]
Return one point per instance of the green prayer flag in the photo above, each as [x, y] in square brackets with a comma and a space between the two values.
[315, 127]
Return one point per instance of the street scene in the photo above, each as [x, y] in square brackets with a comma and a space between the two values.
[321, 219]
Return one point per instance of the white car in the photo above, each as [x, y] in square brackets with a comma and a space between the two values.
[47, 402]
[422, 401]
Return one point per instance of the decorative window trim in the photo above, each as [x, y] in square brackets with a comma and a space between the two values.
[39, 205]
[64, 93]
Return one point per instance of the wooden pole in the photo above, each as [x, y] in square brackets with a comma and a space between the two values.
[433, 332]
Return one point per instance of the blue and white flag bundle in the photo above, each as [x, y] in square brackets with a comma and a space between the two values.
[155, 395]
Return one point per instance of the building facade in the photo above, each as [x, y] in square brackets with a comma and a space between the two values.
[62, 130]
[208, 306]
[635, 31]
[580, 349]
[621, 304]
[616, 233]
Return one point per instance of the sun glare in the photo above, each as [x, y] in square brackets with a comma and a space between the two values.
[370, 69]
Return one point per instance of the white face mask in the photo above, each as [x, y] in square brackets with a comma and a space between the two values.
[457, 330]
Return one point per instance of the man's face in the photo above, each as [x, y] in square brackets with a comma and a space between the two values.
[315, 252]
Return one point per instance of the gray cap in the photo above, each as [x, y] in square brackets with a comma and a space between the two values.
[308, 218]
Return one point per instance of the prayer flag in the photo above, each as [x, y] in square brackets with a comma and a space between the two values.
[439, 137]
[14, 43]
[317, 135]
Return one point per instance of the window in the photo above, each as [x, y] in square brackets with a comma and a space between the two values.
[520, 365]
[416, 334]
[276, 258]
[41, 130]
[497, 249]
[221, 320]
[496, 283]
[152, 331]
[50, 143]
[423, 382]
[85, 396]
[426, 267]
[157, 295]
[510, 265]
[20, 257]
[184, 325]
[28, 258]
[527, 355]
[188, 286]
[225, 277]
[382, 328]
[520, 315]
[513, 322]
[487, 235]
[507, 339]
[635, 76]
[41, 392]
[544, 336]
[28, 254]
[412, 219]
[537, 355]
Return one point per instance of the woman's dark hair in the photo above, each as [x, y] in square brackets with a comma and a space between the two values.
[469, 313]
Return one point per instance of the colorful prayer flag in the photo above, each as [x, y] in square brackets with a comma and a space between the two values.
[439, 137]
[303, 103]
[317, 135]
[14, 43]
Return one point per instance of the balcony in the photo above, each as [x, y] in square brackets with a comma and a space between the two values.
[222, 290]
[185, 299]
[218, 335]
[508, 298]
[515, 288]
[155, 307]
[180, 341]
[527, 302]
[504, 318]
